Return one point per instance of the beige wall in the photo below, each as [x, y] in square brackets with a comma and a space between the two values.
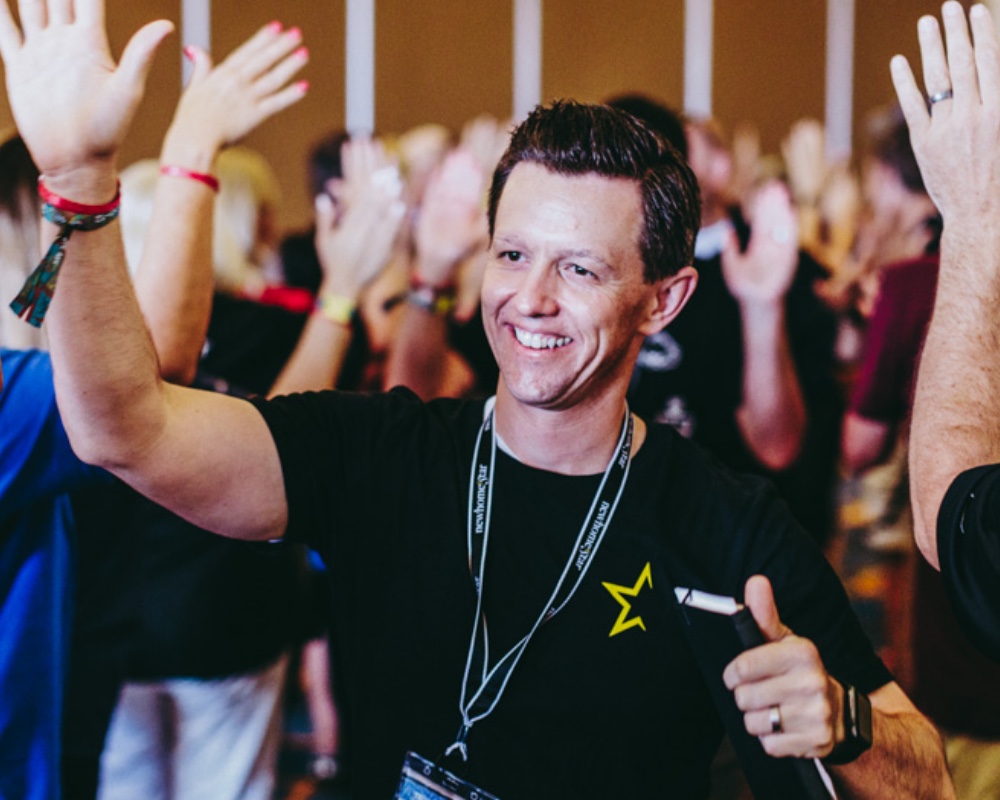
[884, 28]
[448, 60]
[769, 65]
[613, 47]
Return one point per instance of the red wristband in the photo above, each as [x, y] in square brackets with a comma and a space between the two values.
[180, 172]
[63, 204]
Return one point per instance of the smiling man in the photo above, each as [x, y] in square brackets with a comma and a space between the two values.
[551, 512]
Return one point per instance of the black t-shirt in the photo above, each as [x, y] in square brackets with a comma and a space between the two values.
[690, 376]
[968, 540]
[379, 486]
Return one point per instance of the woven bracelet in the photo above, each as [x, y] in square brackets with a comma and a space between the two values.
[32, 302]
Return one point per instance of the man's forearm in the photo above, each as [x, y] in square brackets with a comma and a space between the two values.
[418, 354]
[906, 761]
[175, 278]
[106, 367]
[317, 360]
[957, 401]
[772, 417]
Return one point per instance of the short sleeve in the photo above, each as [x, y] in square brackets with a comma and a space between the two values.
[344, 455]
[968, 541]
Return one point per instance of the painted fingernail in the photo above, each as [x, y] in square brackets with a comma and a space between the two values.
[275, 26]
[294, 33]
[189, 53]
[302, 86]
[301, 53]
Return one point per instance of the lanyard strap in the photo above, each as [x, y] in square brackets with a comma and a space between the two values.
[476, 705]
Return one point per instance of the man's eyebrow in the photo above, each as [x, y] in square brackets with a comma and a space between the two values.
[588, 255]
[508, 239]
[513, 241]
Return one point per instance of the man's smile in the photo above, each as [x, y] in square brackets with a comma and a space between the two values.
[538, 341]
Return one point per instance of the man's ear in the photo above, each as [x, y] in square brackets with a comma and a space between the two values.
[670, 297]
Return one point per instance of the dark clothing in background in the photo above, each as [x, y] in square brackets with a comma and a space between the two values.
[690, 376]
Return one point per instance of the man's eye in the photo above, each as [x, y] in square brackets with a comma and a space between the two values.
[576, 269]
[511, 255]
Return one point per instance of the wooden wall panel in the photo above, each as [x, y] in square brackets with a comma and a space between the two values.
[882, 29]
[287, 139]
[163, 86]
[769, 64]
[607, 47]
[447, 60]
[444, 61]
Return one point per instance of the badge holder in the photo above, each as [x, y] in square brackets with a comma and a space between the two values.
[424, 780]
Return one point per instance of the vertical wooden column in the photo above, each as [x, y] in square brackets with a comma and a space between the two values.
[196, 29]
[359, 111]
[698, 41]
[527, 56]
[839, 78]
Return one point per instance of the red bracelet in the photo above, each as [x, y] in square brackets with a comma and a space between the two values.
[180, 172]
[63, 204]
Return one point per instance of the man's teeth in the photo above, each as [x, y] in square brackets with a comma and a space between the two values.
[538, 342]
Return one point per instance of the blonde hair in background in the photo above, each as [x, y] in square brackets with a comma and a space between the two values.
[20, 249]
[248, 192]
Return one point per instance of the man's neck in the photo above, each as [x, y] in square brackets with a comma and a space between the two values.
[576, 441]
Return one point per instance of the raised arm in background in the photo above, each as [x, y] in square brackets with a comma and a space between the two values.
[772, 416]
[207, 457]
[352, 251]
[956, 410]
[451, 227]
[220, 105]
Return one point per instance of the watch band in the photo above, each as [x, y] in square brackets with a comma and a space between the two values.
[857, 728]
[434, 301]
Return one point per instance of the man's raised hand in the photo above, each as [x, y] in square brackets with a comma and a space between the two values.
[956, 138]
[765, 271]
[355, 245]
[72, 104]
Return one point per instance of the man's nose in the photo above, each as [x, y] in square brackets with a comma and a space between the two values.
[537, 291]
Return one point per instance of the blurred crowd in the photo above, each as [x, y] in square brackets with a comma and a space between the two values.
[794, 360]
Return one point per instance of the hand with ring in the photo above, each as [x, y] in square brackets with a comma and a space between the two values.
[776, 719]
[954, 131]
[787, 697]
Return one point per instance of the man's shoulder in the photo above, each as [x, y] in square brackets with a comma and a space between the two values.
[721, 525]
[968, 543]
[397, 415]
[698, 481]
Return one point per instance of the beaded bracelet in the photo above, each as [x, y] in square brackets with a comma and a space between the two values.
[32, 302]
[439, 300]
[172, 171]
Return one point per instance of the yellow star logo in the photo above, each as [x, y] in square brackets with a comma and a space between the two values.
[620, 593]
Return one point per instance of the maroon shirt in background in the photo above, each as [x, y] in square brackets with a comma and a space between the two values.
[954, 684]
[884, 391]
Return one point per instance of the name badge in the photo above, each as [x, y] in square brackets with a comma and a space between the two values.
[424, 780]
